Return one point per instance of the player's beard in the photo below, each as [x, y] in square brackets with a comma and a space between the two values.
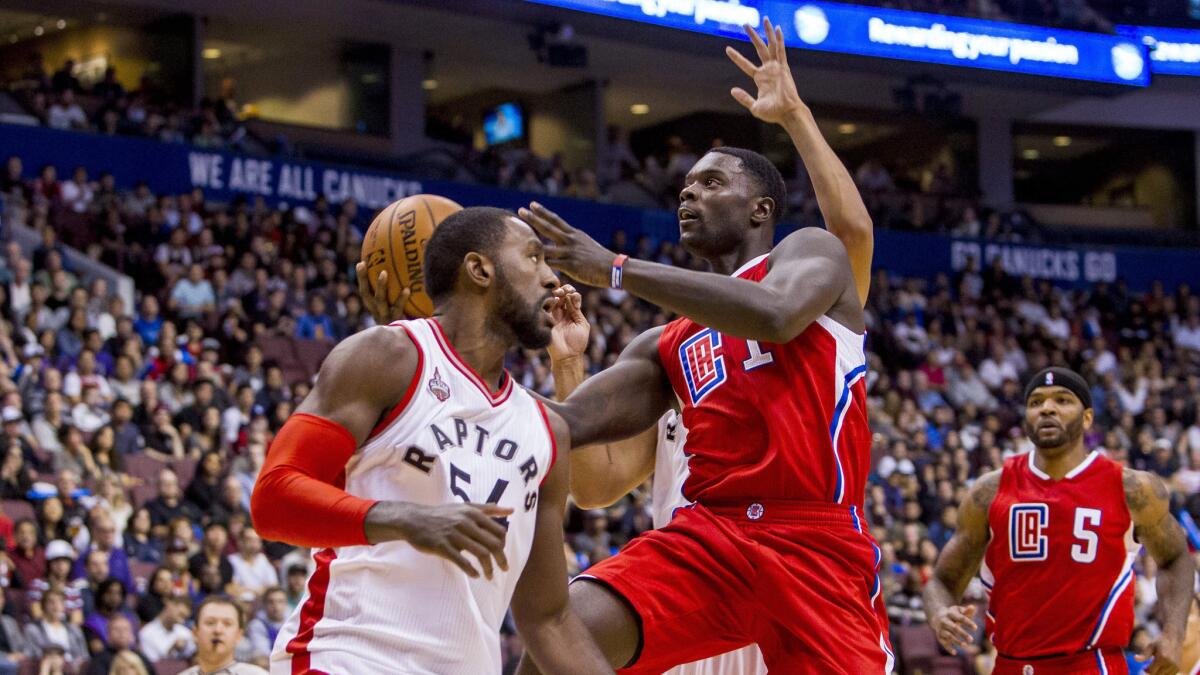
[523, 320]
[1065, 437]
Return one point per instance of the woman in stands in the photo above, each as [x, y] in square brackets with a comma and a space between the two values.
[139, 543]
[205, 489]
[51, 520]
[152, 601]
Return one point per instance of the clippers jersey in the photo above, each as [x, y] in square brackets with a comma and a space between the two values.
[666, 495]
[1059, 564]
[768, 421]
[389, 607]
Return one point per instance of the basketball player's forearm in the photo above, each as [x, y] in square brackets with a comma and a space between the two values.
[1174, 585]
[735, 307]
[837, 196]
[841, 204]
[562, 644]
[568, 375]
[937, 596]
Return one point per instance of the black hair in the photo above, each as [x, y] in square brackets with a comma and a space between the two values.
[478, 229]
[768, 178]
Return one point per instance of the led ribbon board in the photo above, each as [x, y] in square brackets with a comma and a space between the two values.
[896, 34]
[1173, 51]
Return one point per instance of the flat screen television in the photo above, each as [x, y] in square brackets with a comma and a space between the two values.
[504, 123]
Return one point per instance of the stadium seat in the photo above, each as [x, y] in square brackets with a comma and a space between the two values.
[185, 469]
[145, 467]
[170, 666]
[17, 509]
[142, 571]
[140, 494]
[917, 646]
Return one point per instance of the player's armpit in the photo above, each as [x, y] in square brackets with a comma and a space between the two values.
[556, 639]
[602, 474]
[622, 400]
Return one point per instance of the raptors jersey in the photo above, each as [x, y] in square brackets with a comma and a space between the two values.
[389, 608]
[768, 421]
[1059, 565]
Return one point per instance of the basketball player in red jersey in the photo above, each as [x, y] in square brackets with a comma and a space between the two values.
[1057, 530]
[767, 367]
[433, 487]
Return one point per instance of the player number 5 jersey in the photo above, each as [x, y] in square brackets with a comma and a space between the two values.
[388, 607]
[1059, 565]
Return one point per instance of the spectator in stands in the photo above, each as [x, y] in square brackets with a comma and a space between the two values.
[163, 441]
[167, 635]
[265, 625]
[220, 626]
[295, 583]
[212, 554]
[110, 603]
[50, 630]
[204, 490]
[119, 643]
[252, 572]
[64, 78]
[873, 177]
[52, 522]
[168, 504]
[149, 323]
[14, 647]
[108, 88]
[95, 574]
[27, 555]
[104, 541]
[78, 193]
[193, 296]
[138, 542]
[315, 324]
[65, 113]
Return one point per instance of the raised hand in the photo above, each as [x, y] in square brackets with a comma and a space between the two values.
[376, 301]
[570, 250]
[955, 627]
[777, 96]
[569, 336]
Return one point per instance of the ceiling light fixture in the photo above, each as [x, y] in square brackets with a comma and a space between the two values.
[639, 109]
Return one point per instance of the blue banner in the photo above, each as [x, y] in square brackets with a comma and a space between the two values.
[1173, 51]
[176, 168]
[897, 34]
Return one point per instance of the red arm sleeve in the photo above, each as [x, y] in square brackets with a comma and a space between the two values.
[298, 497]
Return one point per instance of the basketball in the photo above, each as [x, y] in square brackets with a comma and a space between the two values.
[395, 243]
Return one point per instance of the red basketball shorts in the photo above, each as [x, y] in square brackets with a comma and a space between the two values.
[799, 579]
[1096, 662]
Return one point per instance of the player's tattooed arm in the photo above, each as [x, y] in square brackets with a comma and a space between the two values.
[954, 624]
[622, 400]
[556, 639]
[1154, 526]
[778, 102]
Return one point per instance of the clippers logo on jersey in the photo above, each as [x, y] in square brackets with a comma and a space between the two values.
[1025, 536]
[703, 366]
[438, 386]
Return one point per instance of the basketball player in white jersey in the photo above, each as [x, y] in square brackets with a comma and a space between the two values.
[430, 486]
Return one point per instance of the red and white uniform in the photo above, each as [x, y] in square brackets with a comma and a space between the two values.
[770, 546]
[1059, 568]
[389, 608]
[666, 495]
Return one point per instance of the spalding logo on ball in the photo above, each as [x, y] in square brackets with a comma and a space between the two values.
[395, 243]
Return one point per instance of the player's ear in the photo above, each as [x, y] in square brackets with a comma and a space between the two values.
[1089, 416]
[478, 270]
[764, 210]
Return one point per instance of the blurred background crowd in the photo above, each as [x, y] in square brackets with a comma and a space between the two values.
[133, 434]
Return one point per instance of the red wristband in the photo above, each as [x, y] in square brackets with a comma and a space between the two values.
[618, 268]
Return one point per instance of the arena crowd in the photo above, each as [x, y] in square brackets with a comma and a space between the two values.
[134, 433]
